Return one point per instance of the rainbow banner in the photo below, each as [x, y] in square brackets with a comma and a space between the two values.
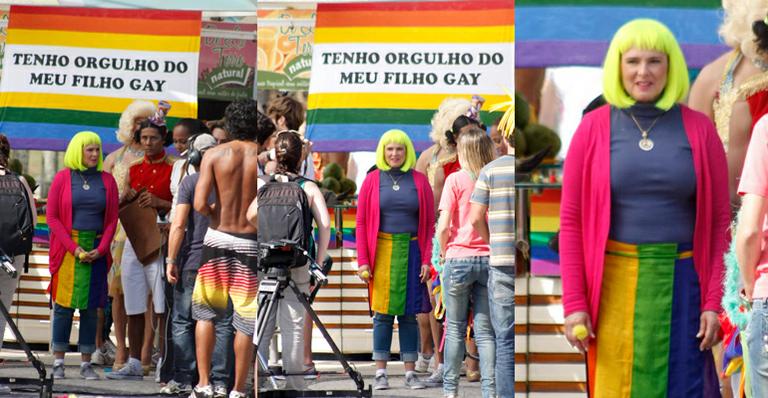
[577, 32]
[71, 69]
[545, 222]
[379, 66]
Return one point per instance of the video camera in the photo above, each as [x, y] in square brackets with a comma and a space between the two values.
[6, 264]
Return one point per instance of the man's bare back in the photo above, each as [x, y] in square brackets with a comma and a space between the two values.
[231, 168]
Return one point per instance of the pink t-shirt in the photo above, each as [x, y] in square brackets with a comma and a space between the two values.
[754, 180]
[464, 241]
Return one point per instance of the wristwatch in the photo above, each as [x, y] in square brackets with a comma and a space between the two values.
[169, 260]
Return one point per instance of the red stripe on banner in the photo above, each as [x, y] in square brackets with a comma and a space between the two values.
[139, 26]
[426, 18]
[418, 6]
[105, 13]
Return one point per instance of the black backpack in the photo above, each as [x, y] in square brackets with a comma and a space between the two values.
[16, 226]
[285, 216]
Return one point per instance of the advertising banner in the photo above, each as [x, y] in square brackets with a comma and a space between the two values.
[285, 49]
[227, 65]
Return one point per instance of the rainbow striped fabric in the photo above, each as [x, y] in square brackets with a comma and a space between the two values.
[71, 69]
[379, 66]
[568, 32]
[646, 343]
[81, 285]
[396, 287]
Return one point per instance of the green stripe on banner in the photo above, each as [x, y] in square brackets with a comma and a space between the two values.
[60, 116]
[382, 116]
[645, 3]
[653, 319]
[82, 281]
[398, 273]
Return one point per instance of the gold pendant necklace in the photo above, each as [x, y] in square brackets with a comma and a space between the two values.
[645, 143]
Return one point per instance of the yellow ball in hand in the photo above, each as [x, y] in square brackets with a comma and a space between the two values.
[580, 331]
[82, 256]
[365, 275]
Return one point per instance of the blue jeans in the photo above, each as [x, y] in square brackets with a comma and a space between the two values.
[184, 364]
[757, 347]
[466, 279]
[408, 330]
[62, 327]
[501, 299]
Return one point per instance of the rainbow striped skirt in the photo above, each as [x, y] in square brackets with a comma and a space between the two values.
[81, 285]
[646, 343]
[396, 287]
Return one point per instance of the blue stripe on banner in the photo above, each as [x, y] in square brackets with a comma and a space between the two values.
[599, 23]
[544, 253]
[363, 137]
[52, 137]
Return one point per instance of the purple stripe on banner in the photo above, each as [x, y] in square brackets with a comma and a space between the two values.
[54, 137]
[538, 54]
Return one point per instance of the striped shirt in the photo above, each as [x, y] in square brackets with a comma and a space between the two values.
[495, 188]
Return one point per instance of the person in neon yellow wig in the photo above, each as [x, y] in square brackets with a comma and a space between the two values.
[73, 157]
[645, 34]
[82, 214]
[399, 137]
[623, 162]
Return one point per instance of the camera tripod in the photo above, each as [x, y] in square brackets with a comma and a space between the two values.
[45, 384]
[271, 290]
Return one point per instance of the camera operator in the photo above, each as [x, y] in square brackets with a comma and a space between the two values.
[291, 314]
[9, 226]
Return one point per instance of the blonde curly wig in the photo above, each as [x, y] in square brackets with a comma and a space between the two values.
[138, 109]
[450, 109]
[736, 30]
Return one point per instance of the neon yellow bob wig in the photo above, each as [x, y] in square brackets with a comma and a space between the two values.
[395, 137]
[646, 34]
[73, 157]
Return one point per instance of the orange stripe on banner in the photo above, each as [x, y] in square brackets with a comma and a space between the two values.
[97, 24]
[418, 18]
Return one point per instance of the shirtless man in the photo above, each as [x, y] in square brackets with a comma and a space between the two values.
[229, 247]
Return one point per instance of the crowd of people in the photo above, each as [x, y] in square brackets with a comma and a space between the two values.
[141, 238]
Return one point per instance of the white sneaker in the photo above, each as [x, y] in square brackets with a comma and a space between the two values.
[101, 357]
[422, 364]
[175, 388]
[130, 371]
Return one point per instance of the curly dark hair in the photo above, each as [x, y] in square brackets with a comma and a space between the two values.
[458, 124]
[245, 123]
[760, 29]
[288, 146]
[265, 129]
[5, 151]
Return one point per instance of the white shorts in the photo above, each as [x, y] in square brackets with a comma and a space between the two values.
[139, 281]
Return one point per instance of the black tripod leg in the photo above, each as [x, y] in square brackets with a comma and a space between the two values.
[353, 374]
[267, 309]
[45, 385]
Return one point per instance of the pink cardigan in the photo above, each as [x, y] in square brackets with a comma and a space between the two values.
[59, 217]
[368, 217]
[585, 210]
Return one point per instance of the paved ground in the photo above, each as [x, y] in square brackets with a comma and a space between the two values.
[330, 380]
